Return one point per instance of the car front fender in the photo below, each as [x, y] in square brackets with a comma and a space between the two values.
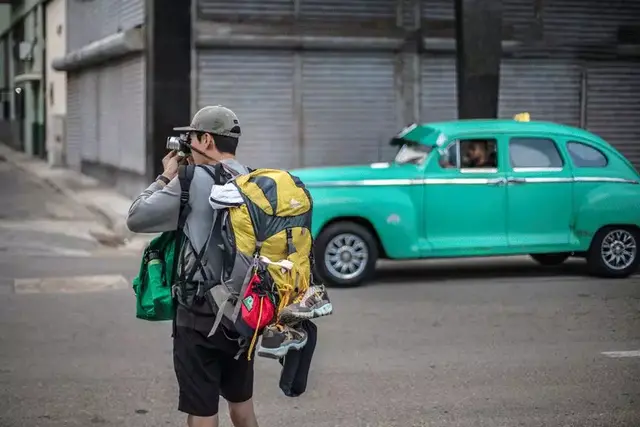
[391, 212]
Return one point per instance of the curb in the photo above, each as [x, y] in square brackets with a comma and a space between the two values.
[42, 172]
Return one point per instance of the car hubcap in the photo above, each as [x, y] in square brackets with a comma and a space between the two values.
[346, 256]
[619, 249]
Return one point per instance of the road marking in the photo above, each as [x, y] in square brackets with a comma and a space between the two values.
[77, 228]
[619, 354]
[71, 285]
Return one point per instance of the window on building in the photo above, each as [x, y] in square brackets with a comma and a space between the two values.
[471, 154]
[585, 156]
[534, 153]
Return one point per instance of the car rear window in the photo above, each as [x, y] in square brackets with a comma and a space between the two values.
[586, 156]
[534, 153]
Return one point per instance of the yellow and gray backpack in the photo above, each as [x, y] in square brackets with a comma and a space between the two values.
[266, 233]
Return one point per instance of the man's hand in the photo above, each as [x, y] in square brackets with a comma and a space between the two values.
[170, 164]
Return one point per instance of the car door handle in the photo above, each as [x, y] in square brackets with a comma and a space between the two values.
[512, 180]
[497, 181]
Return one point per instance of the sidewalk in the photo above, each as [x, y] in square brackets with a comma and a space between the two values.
[110, 207]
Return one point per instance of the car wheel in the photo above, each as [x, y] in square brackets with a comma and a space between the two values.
[614, 252]
[346, 254]
[550, 259]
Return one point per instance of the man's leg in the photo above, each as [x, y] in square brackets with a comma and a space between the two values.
[198, 371]
[242, 414]
[193, 421]
[236, 386]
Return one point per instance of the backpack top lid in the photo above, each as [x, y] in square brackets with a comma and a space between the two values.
[275, 193]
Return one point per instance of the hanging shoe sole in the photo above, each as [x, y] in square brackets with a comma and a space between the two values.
[292, 317]
[277, 353]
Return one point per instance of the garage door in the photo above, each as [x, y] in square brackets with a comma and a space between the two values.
[82, 118]
[613, 106]
[258, 87]
[73, 131]
[438, 96]
[132, 132]
[121, 115]
[349, 107]
[549, 90]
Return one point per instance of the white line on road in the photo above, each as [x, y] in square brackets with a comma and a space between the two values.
[618, 354]
[71, 285]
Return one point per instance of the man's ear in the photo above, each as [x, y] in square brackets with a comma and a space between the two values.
[210, 142]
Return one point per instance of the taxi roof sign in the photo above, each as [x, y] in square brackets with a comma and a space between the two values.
[522, 117]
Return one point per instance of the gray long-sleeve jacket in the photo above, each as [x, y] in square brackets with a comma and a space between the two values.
[156, 210]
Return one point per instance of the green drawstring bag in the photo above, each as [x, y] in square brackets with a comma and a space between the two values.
[152, 286]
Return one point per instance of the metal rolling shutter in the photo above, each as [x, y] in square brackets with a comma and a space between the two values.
[613, 106]
[131, 13]
[549, 90]
[109, 104]
[438, 97]
[348, 9]
[131, 129]
[591, 25]
[258, 87]
[410, 14]
[85, 23]
[438, 9]
[89, 114]
[73, 149]
[263, 9]
[518, 14]
[109, 17]
[349, 107]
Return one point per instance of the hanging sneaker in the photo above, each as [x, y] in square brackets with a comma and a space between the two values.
[278, 339]
[309, 305]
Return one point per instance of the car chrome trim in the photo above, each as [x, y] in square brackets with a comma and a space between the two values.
[547, 180]
[537, 169]
[464, 181]
[605, 179]
[478, 170]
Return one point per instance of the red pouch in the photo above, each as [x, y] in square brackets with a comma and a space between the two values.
[258, 310]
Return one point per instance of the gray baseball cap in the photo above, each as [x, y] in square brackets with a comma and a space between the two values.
[214, 119]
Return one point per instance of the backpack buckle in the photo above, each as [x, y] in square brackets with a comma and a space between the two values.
[184, 197]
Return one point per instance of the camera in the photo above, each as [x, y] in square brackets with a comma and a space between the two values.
[179, 143]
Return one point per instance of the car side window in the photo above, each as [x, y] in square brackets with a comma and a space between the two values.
[468, 154]
[534, 153]
[585, 156]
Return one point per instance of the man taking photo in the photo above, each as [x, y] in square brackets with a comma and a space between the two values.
[206, 367]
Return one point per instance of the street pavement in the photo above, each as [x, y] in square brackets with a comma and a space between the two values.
[496, 343]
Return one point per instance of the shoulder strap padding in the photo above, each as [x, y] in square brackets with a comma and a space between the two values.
[185, 176]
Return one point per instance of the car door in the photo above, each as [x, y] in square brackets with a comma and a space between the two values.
[539, 195]
[464, 208]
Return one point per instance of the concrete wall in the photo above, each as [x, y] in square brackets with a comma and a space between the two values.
[55, 81]
[28, 75]
[5, 17]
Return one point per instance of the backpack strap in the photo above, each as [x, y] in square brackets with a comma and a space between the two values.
[185, 175]
[217, 176]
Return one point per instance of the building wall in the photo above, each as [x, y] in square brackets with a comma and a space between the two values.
[106, 101]
[317, 84]
[26, 76]
[55, 81]
[321, 84]
[5, 17]
[5, 20]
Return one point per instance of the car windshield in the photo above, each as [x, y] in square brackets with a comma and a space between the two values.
[412, 153]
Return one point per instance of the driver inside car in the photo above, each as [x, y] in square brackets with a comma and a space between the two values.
[478, 155]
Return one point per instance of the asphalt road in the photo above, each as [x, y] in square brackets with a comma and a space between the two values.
[474, 343]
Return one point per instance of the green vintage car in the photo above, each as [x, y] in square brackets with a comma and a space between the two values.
[473, 188]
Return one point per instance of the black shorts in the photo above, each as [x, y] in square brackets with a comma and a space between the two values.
[206, 370]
